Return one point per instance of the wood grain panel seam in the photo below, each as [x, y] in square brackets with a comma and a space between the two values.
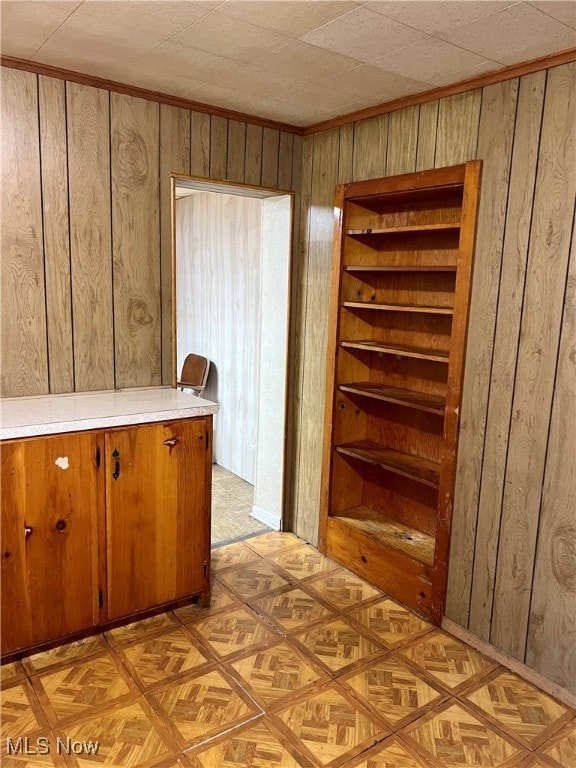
[565, 294]
[509, 426]
[73, 361]
[160, 287]
[494, 334]
[114, 379]
[417, 138]
[43, 223]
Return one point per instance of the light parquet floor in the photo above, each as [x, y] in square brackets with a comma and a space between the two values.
[297, 663]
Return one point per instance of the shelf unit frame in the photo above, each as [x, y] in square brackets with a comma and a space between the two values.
[349, 534]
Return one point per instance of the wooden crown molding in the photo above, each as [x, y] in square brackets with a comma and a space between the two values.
[500, 75]
[143, 93]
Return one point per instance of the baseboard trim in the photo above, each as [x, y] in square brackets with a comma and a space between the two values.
[266, 517]
[563, 695]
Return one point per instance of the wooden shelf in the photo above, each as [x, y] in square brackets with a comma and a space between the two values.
[402, 350]
[399, 307]
[389, 533]
[443, 227]
[418, 400]
[421, 470]
[402, 268]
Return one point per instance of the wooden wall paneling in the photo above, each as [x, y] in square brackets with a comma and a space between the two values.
[316, 278]
[402, 141]
[253, 159]
[537, 355]
[370, 142]
[270, 144]
[88, 114]
[136, 240]
[174, 158]
[299, 307]
[495, 140]
[236, 151]
[199, 144]
[289, 520]
[501, 386]
[552, 627]
[54, 155]
[458, 128]
[346, 154]
[218, 146]
[24, 345]
[427, 131]
[285, 160]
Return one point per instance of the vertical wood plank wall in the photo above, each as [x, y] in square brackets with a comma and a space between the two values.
[86, 227]
[512, 565]
[513, 555]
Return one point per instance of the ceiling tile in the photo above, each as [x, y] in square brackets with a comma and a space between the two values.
[436, 62]
[363, 35]
[563, 10]
[172, 59]
[231, 38]
[229, 98]
[375, 85]
[161, 19]
[293, 17]
[27, 24]
[433, 16]
[303, 61]
[518, 33]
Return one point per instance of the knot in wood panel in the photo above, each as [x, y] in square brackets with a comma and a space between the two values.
[564, 556]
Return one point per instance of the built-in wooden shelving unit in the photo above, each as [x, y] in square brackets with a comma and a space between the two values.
[401, 282]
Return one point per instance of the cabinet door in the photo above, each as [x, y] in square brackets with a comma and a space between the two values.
[157, 514]
[49, 575]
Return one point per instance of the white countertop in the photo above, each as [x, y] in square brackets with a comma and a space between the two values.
[54, 414]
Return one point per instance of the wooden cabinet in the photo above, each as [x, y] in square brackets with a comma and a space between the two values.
[50, 507]
[402, 262]
[157, 529]
[97, 526]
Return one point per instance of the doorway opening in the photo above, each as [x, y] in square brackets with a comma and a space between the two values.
[231, 299]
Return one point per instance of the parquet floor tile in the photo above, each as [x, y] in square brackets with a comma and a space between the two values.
[390, 754]
[204, 706]
[11, 673]
[127, 738]
[231, 555]
[337, 644]
[518, 707]
[331, 727]
[447, 660]
[272, 542]
[137, 630]
[343, 589]
[17, 712]
[255, 747]
[272, 674]
[220, 599]
[231, 632]
[292, 609]
[252, 580]
[392, 689]
[455, 738]
[74, 690]
[303, 561]
[163, 657]
[561, 750]
[390, 622]
[64, 654]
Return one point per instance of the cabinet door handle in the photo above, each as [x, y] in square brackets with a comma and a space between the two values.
[28, 531]
[171, 442]
[116, 473]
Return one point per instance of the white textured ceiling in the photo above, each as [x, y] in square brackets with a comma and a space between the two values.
[296, 61]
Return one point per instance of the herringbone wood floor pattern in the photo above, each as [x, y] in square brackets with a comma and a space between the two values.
[297, 663]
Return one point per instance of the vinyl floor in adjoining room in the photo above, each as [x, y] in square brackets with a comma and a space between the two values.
[297, 663]
[232, 500]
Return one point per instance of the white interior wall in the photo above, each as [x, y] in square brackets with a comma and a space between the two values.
[218, 305]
